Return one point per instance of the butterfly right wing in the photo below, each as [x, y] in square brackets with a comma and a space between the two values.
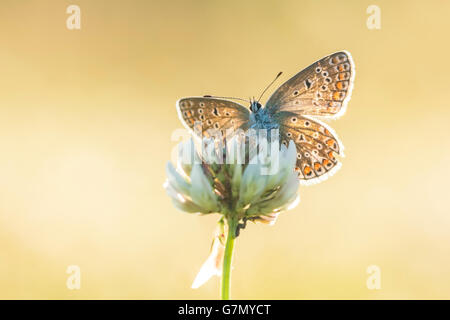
[322, 89]
[317, 146]
[213, 114]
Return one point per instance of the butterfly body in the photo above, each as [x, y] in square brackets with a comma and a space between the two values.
[296, 108]
[261, 119]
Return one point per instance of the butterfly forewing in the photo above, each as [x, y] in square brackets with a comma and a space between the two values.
[317, 145]
[213, 114]
[322, 89]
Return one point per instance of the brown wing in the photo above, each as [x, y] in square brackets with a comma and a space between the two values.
[322, 89]
[212, 114]
[317, 146]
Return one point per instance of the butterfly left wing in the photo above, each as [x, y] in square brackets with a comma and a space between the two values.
[213, 114]
[317, 146]
[322, 89]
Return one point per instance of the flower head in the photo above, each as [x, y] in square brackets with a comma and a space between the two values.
[242, 181]
[222, 180]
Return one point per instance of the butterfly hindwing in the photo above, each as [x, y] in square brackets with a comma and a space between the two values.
[322, 89]
[317, 145]
[213, 114]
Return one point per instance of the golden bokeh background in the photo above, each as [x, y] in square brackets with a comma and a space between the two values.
[85, 132]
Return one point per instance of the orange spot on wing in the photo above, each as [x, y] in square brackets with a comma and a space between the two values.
[337, 95]
[307, 170]
[316, 166]
[339, 85]
[330, 142]
[325, 162]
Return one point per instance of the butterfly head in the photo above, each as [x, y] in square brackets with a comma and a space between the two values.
[255, 106]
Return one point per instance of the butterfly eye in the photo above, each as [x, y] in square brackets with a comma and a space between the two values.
[255, 106]
[202, 104]
[209, 122]
[295, 93]
[202, 117]
[328, 80]
[319, 146]
[289, 135]
[318, 69]
[299, 155]
[200, 111]
[294, 119]
[216, 125]
[307, 123]
[324, 87]
[227, 114]
[325, 73]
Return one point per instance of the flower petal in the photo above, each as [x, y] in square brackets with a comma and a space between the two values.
[201, 190]
[253, 185]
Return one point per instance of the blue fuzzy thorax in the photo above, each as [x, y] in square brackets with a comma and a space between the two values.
[261, 119]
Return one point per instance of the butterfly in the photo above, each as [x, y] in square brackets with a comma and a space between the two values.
[296, 108]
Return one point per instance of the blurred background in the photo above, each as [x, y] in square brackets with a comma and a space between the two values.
[86, 119]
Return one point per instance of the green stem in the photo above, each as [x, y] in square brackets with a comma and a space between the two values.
[228, 256]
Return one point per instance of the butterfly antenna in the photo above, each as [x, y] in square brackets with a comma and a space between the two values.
[278, 75]
[230, 98]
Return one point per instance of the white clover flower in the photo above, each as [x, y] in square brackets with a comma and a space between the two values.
[216, 179]
[210, 182]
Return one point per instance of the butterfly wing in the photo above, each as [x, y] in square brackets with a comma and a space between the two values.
[213, 114]
[322, 89]
[317, 146]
